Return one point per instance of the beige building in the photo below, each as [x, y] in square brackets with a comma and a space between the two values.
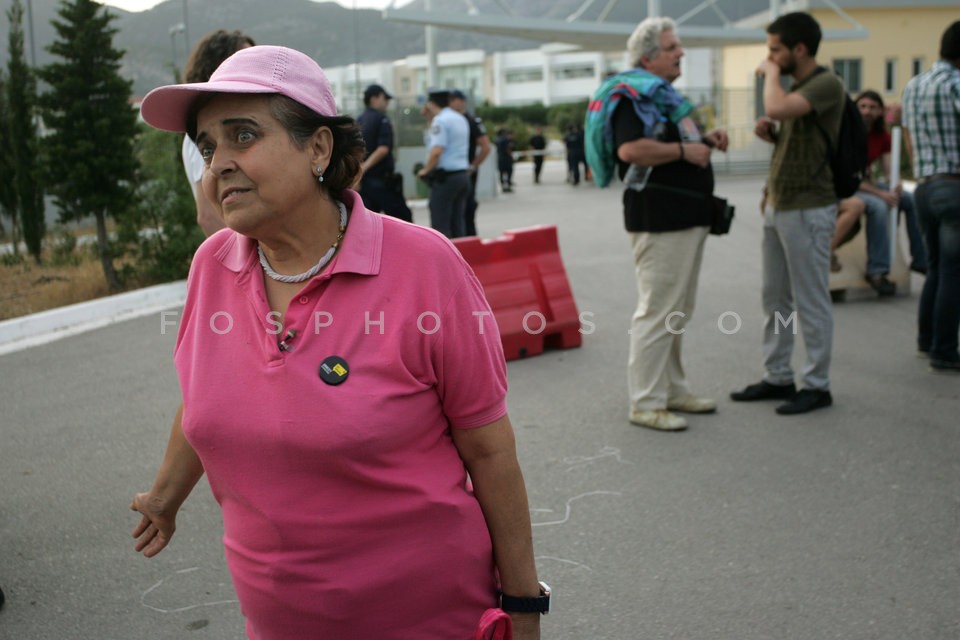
[903, 40]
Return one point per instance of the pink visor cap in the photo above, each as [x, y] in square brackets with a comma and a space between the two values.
[261, 69]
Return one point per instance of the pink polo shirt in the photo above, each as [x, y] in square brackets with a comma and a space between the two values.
[346, 508]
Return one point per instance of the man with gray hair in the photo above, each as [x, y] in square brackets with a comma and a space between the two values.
[664, 159]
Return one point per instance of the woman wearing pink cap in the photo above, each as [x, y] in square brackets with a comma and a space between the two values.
[341, 376]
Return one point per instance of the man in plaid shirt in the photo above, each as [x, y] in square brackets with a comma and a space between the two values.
[931, 118]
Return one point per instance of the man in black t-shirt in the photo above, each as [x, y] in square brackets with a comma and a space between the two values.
[477, 152]
[381, 188]
[573, 141]
[505, 145]
[667, 230]
[539, 144]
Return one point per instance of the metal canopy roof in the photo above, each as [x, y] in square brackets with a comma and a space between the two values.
[703, 24]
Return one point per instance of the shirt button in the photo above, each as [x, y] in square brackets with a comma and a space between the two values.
[304, 299]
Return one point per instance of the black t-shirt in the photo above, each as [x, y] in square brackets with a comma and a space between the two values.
[377, 132]
[505, 147]
[658, 210]
[477, 130]
[574, 142]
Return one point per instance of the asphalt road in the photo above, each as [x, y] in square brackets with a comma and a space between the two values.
[844, 523]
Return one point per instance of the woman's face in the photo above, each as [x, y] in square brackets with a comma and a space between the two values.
[870, 110]
[254, 175]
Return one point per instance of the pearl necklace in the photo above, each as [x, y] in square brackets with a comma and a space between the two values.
[315, 269]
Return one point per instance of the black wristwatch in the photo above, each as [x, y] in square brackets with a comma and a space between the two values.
[536, 604]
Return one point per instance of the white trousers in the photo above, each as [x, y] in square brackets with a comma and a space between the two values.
[667, 269]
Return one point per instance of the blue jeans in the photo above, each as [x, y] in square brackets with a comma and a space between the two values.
[918, 252]
[938, 208]
[878, 234]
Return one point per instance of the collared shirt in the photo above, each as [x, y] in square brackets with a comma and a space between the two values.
[193, 164]
[931, 113]
[449, 129]
[307, 472]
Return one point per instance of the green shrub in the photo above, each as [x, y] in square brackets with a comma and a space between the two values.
[160, 233]
[63, 248]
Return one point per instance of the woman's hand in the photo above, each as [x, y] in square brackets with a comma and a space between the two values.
[156, 527]
[179, 473]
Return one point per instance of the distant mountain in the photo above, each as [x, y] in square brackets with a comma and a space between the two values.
[328, 32]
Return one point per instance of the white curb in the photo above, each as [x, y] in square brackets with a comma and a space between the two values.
[47, 326]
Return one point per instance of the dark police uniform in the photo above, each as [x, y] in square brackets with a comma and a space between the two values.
[378, 188]
[477, 131]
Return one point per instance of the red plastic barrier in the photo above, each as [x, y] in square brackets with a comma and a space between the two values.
[526, 285]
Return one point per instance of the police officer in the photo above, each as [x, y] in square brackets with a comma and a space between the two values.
[539, 144]
[380, 188]
[478, 138]
[446, 168]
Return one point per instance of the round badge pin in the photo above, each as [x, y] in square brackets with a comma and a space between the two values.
[334, 370]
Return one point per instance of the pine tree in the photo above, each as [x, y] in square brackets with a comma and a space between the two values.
[8, 196]
[21, 101]
[89, 159]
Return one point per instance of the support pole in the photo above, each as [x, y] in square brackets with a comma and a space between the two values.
[430, 36]
[895, 136]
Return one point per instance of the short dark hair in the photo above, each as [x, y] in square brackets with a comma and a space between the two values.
[950, 42]
[374, 90]
[795, 28]
[879, 126]
[439, 98]
[211, 50]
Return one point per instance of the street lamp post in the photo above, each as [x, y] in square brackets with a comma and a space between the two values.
[185, 25]
[174, 30]
[33, 46]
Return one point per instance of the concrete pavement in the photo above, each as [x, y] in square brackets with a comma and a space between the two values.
[844, 523]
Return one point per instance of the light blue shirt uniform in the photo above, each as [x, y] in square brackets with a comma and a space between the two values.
[451, 131]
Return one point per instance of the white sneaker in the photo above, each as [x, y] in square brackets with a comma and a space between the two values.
[689, 403]
[660, 419]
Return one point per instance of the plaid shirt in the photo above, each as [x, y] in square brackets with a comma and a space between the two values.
[931, 113]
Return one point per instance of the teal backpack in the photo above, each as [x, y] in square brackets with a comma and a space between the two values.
[652, 98]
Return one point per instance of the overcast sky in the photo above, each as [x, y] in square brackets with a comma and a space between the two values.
[143, 5]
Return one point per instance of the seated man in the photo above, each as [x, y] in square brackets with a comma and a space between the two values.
[876, 200]
[878, 244]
